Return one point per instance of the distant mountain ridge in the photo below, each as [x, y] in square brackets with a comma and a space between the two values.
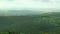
[20, 12]
[51, 14]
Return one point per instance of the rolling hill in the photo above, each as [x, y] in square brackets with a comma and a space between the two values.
[20, 12]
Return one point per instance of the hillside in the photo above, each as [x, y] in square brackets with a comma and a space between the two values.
[20, 12]
[48, 23]
[51, 14]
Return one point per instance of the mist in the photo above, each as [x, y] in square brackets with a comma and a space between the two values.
[29, 4]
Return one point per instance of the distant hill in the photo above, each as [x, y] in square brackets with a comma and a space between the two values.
[51, 14]
[20, 12]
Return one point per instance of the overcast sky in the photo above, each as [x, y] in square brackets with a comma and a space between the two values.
[28, 4]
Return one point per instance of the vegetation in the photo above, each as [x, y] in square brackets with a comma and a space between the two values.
[36, 24]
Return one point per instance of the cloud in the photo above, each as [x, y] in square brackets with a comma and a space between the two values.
[45, 0]
[28, 4]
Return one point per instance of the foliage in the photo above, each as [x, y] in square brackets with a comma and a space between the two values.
[32, 24]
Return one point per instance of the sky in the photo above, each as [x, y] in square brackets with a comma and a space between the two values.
[28, 4]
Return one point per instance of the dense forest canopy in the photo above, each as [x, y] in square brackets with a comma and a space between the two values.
[47, 22]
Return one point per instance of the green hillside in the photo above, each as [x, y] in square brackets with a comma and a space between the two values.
[37, 24]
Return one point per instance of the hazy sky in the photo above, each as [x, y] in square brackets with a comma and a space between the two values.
[29, 4]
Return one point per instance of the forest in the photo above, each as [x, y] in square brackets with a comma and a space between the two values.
[47, 23]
